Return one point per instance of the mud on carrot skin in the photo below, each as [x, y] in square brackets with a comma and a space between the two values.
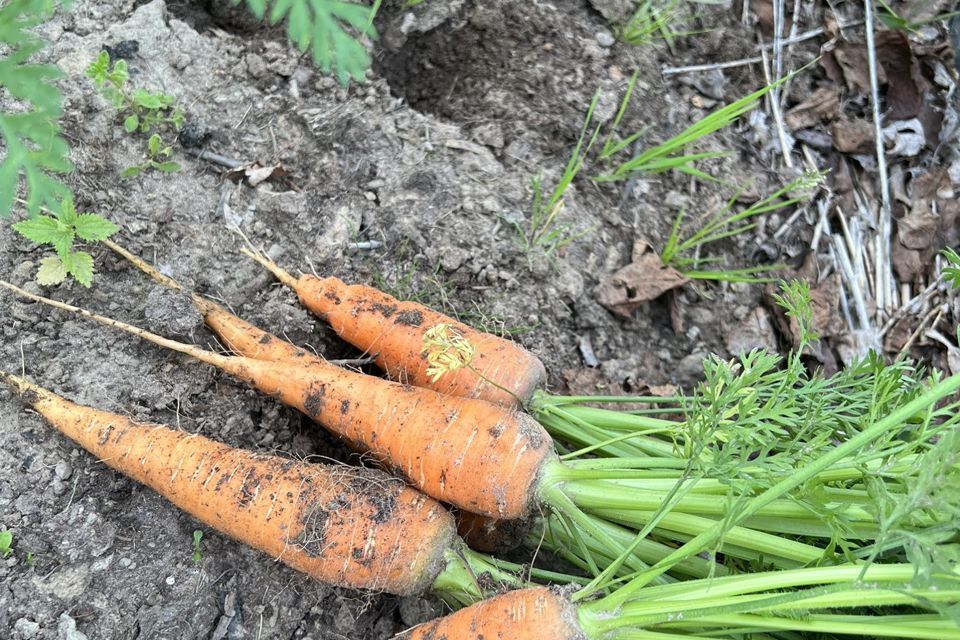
[346, 526]
[393, 331]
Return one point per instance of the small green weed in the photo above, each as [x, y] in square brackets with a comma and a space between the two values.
[142, 111]
[6, 543]
[197, 536]
[672, 153]
[156, 154]
[951, 271]
[542, 230]
[681, 249]
[905, 22]
[60, 229]
[655, 20]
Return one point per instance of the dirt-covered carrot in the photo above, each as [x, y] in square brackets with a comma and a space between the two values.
[342, 525]
[528, 614]
[817, 602]
[470, 453]
[393, 332]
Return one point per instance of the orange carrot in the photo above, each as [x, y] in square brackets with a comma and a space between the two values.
[525, 614]
[342, 525]
[475, 455]
[393, 332]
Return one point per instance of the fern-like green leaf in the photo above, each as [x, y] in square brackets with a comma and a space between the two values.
[32, 145]
[330, 28]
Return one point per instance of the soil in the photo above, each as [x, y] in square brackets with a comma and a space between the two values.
[432, 159]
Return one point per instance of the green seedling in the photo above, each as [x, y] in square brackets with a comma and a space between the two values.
[31, 558]
[682, 249]
[543, 230]
[671, 154]
[655, 20]
[197, 536]
[60, 228]
[906, 22]
[157, 158]
[951, 271]
[331, 29]
[6, 543]
[141, 110]
[33, 147]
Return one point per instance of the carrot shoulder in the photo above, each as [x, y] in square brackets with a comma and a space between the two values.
[525, 614]
[341, 525]
[393, 331]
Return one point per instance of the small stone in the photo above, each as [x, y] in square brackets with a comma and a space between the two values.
[126, 562]
[63, 470]
[170, 581]
[67, 629]
[26, 628]
[605, 39]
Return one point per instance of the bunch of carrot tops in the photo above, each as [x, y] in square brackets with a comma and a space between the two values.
[771, 503]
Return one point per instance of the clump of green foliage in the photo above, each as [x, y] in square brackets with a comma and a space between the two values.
[329, 28]
[683, 246]
[61, 229]
[156, 154]
[34, 148]
[141, 111]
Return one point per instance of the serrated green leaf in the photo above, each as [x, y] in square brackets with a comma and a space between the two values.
[94, 228]
[66, 212]
[327, 27]
[131, 123]
[41, 229]
[51, 271]
[79, 264]
[167, 167]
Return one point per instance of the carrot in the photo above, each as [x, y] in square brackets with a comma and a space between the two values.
[525, 614]
[470, 453]
[393, 331]
[342, 525]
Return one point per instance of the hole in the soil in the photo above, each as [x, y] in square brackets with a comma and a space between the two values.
[507, 65]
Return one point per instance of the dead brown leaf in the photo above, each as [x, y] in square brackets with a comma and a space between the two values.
[823, 105]
[905, 83]
[644, 279]
[853, 136]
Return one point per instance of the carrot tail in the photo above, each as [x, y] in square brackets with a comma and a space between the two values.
[144, 266]
[342, 525]
[526, 614]
[238, 335]
[226, 363]
[270, 266]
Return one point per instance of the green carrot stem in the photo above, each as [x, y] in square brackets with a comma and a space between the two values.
[702, 542]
